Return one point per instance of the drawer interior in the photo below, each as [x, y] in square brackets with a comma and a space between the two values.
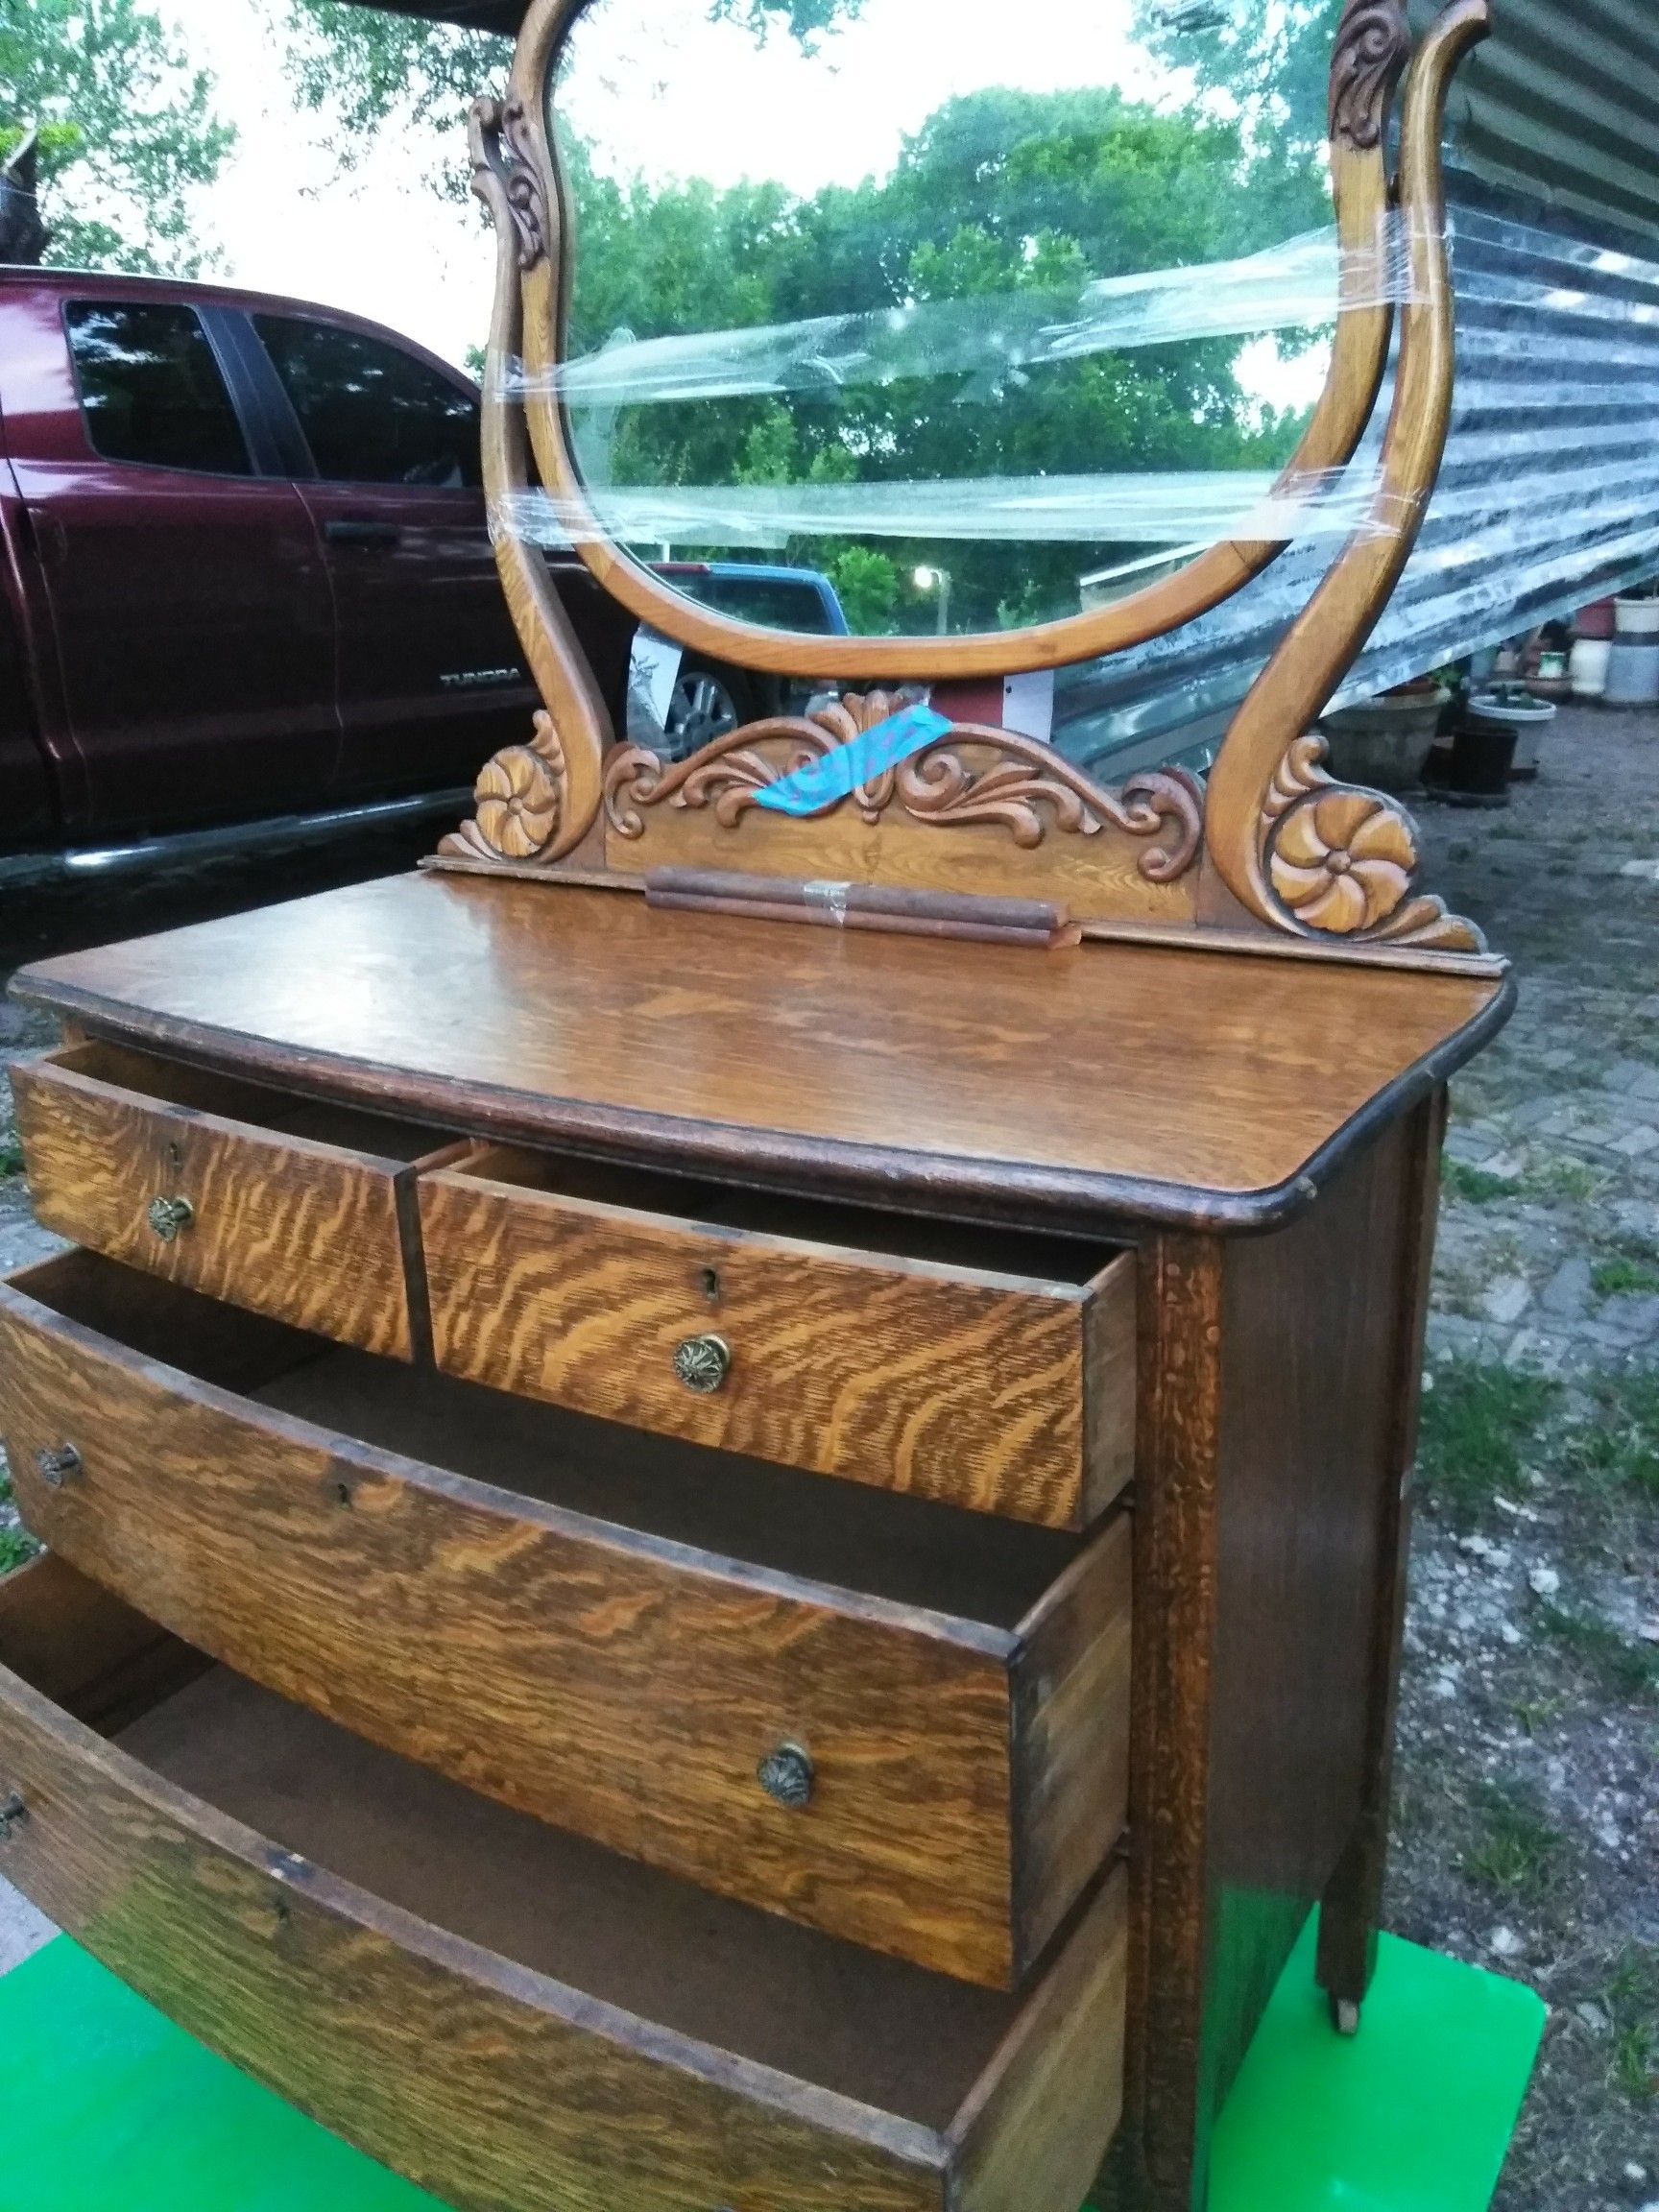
[172, 1082]
[907, 1550]
[1065, 1260]
[889, 2034]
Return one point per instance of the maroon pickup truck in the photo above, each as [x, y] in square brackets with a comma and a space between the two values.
[246, 581]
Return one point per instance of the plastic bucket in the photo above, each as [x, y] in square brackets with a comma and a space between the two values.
[1588, 667]
[1637, 618]
[1595, 621]
[1633, 674]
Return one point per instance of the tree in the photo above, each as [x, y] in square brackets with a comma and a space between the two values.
[364, 69]
[127, 135]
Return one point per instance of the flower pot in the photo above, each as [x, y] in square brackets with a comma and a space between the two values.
[1637, 617]
[1595, 621]
[1383, 744]
[1587, 670]
[1519, 711]
[1482, 755]
[1633, 673]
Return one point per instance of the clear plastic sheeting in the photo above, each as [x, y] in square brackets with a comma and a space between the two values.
[1157, 509]
[1295, 286]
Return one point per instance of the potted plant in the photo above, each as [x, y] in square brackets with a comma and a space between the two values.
[1382, 743]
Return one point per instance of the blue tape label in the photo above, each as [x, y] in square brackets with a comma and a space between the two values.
[821, 783]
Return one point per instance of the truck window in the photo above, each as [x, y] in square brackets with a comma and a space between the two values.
[372, 414]
[151, 390]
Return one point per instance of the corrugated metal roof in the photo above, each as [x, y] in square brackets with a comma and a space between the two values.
[1563, 102]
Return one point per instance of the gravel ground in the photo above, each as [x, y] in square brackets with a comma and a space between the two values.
[1528, 1798]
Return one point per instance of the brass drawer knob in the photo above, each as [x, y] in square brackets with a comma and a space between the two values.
[56, 1467]
[11, 1811]
[168, 1215]
[786, 1774]
[703, 1363]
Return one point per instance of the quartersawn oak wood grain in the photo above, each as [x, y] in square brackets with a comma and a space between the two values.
[970, 1775]
[962, 1384]
[1065, 1090]
[553, 2094]
[280, 1223]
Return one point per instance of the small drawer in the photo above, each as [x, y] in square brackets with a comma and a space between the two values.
[301, 1211]
[503, 2013]
[978, 1367]
[902, 1723]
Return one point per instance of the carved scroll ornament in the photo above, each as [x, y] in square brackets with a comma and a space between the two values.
[1027, 790]
[499, 125]
[1372, 46]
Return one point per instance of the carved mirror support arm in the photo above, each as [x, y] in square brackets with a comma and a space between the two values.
[537, 800]
[1298, 850]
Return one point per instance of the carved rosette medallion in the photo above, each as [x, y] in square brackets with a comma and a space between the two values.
[1372, 46]
[1344, 863]
[521, 796]
[1024, 787]
[501, 144]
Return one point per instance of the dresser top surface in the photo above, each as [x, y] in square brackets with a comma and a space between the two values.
[1112, 1081]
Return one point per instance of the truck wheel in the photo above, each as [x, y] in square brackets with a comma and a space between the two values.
[707, 701]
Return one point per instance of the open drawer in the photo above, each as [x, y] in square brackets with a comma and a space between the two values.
[901, 1722]
[279, 1204]
[510, 2016]
[982, 1367]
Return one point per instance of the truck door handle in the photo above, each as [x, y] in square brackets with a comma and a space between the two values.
[346, 530]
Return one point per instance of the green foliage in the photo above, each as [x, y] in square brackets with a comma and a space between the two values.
[1516, 1850]
[1473, 1184]
[1625, 1670]
[1476, 1424]
[1631, 2002]
[365, 70]
[11, 1156]
[1623, 1277]
[127, 135]
[1617, 1449]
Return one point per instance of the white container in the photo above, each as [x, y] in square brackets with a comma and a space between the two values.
[1519, 710]
[1587, 670]
[1633, 673]
[1636, 618]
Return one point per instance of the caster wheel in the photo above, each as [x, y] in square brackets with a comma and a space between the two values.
[1345, 2015]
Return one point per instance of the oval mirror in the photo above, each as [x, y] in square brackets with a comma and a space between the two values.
[900, 318]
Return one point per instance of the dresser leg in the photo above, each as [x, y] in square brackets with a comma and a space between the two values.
[1351, 1910]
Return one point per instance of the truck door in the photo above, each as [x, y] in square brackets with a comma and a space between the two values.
[188, 601]
[431, 678]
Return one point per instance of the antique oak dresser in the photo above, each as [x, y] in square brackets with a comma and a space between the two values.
[726, 1487]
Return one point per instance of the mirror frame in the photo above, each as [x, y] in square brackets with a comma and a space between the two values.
[1275, 849]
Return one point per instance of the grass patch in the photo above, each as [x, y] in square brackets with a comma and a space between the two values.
[1618, 1449]
[1473, 1184]
[1623, 1278]
[1631, 2002]
[1517, 1849]
[11, 1157]
[1565, 1179]
[1626, 1670]
[1479, 1425]
[16, 1549]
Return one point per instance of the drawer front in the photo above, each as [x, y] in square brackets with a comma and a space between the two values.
[498, 2086]
[280, 1225]
[967, 1391]
[961, 1793]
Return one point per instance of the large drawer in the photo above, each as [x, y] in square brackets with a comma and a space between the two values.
[901, 1722]
[284, 1206]
[518, 2020]
[983, 1368]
